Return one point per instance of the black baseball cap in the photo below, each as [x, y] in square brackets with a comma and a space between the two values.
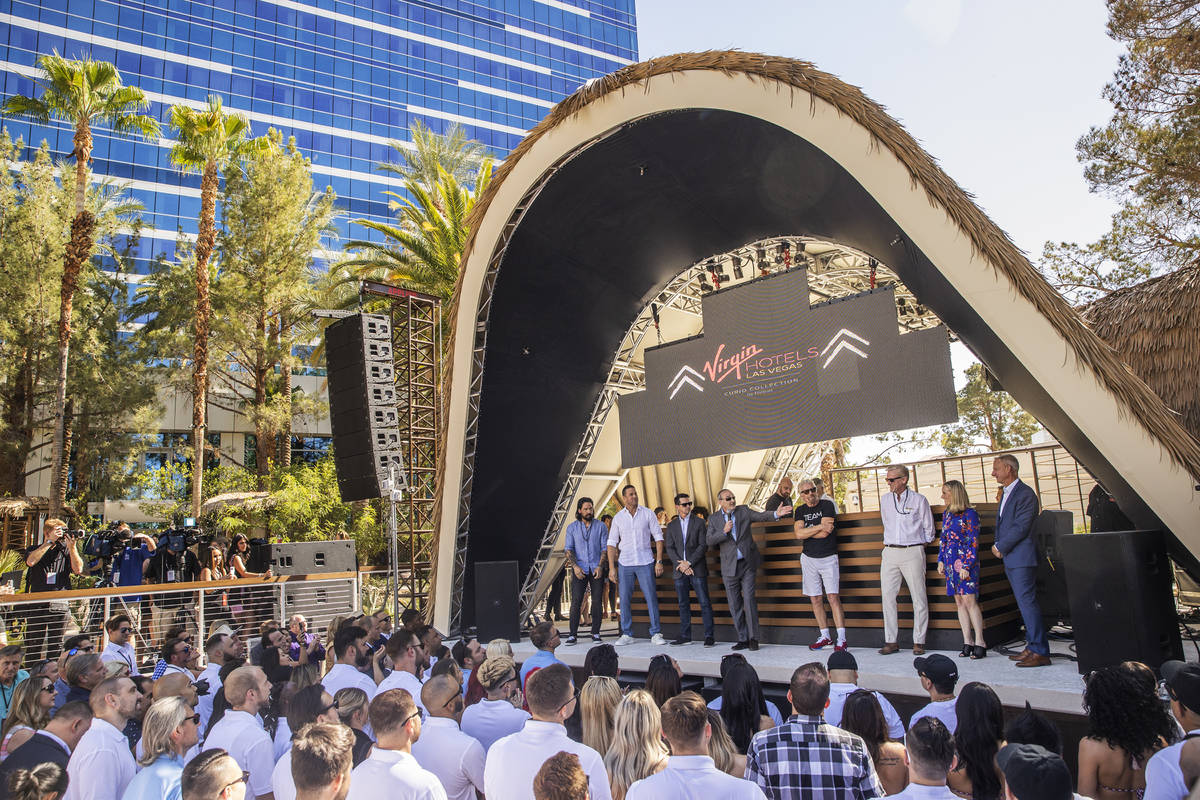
[937, 668]
[1034, 773]
[841, 659]
[1183, 679]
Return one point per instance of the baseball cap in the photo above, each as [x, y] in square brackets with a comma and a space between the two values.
[1034, 773]
[1183, 679]
[937, 668]
[841, 659]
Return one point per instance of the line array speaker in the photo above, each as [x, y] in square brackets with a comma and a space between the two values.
[362, 404]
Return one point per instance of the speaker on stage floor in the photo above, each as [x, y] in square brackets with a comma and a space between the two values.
[497, 585]
[362, 404]
[1049, 529]
[1122, 608]
[311, 558]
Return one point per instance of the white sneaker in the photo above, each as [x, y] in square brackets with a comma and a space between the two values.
[624, 640]
[657, 639]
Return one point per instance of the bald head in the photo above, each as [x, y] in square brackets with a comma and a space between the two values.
[247, 689]
[175, 685]
[441, 695]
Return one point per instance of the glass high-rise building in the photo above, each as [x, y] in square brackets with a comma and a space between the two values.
[344, 78]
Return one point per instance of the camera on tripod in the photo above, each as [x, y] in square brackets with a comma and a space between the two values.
[105, 543]
[183, 536]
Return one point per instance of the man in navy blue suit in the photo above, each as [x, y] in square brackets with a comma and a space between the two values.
[1015, 546]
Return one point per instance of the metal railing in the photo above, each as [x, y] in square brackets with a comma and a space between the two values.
[1060, 481]
[41, 621]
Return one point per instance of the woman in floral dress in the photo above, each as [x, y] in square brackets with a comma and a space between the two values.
[958, 560]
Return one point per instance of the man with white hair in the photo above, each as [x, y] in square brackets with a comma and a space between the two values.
[907, 528]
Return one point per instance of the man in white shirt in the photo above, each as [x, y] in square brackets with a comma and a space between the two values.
[938, 677]
[929, 754]
[633, 530]
[456, 758]
[499, 714]
[101, 766]
[350, 647]
[690, 770]
[322, 755]
[907, 528]
[307, 706]
[512, 762]
[219, 648]
[212, 775]
[120, 630]
[404, 649]
[179, 656]
[843, 680]
[240, 733]
[390, 771]
[1164, 774]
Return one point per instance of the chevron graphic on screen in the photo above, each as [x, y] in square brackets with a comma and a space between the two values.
[770, 371]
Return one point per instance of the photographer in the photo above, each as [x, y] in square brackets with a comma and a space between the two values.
[173, 562]
[131, 551]
[50, 566]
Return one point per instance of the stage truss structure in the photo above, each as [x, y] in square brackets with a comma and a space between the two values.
[416, 321]
[834, 270]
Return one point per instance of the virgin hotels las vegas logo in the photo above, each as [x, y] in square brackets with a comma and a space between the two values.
[751, 362]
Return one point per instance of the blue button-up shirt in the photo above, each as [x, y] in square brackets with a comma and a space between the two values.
[587, 543]
[158, 781]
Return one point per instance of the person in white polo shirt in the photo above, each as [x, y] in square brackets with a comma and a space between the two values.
[939, 675]
[690, 770]
[1164, 775]
[907, 528]
[390, 771]
[120, 630]
[322, 757]
[101, 765]
[513, 761]
[352, 652]
[929, 753]
[404, 649]
[307, 706]
[240, 732]
[498, 714]
[843, 681]
[634, 532]
[456, 758]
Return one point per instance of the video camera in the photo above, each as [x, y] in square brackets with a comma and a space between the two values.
[104, 543]
[183, 536]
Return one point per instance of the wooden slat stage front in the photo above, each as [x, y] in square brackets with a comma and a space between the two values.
[785, 613]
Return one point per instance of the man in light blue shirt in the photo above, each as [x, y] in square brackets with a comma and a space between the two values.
[170, 729]
[544, 637]
[586, 540]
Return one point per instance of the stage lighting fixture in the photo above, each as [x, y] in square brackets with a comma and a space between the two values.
[705, 286]
[737, 268]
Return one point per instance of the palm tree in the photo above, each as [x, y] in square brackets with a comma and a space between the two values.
[423, 248]
[207, 140]
[430, 154]
[83, 93]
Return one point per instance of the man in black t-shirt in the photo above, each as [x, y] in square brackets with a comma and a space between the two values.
[49, 569]
[819, 563]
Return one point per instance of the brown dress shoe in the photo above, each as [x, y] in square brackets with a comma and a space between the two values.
[1034, 660]
[918, 649]
[1023, 654]
[889, 648]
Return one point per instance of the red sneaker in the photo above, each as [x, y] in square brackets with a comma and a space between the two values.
[841, 645]
[824, 641]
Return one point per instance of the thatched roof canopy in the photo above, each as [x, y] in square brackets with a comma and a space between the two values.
[1155, 326]
[21, 506]
[250, 501]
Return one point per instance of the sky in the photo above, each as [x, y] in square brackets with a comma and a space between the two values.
[998, 93]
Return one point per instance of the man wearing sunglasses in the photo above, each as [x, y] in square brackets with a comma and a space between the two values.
[729, 527]
[179, 656]
[10, 675]
[453, 756]
[907, 528]
[819, 564]
[687, 544]
[214, 775]
[391, 770]
[119, 648]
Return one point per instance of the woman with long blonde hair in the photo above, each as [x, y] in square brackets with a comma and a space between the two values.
[28, 713]
[722, 749]
[958, 562]
[598, 701]
[637, 750]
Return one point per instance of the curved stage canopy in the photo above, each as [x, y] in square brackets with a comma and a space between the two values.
[666, 162]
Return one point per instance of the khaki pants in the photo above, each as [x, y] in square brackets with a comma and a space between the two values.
[907, 563]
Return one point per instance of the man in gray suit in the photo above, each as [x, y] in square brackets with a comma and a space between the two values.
[729, 527]
[687, 542]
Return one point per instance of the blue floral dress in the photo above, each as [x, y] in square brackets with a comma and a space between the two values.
[960, 550]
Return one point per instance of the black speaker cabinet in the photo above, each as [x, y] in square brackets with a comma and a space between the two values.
[497, 586]
[1049, 529]
[311, 558]
[362, 404]
[1122, 608]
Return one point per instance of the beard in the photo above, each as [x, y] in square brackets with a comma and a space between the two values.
[362, 660]
[589, 516]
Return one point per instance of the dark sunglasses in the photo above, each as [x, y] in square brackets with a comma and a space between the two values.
[330, 707]
[807, 491]
[48, 688]
[75, 650]
[573, 698]
[688, 504]
[125, 630]
[456, 696]
[893, 480]
[727, 499]
[244, 779]
[195, 718]
[420, 712]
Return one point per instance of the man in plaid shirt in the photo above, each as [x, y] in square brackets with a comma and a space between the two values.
[805, 759]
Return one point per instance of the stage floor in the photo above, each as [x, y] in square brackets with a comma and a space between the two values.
[1057, 688]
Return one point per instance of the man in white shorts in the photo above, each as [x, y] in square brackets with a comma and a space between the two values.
[814, 527]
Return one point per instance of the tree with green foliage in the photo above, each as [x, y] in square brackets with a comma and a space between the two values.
[987, 420]
[273, 222]
[1147, 157]
[83, 93]
[428, 155]
[207, 141]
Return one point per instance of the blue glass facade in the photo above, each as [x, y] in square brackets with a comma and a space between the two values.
[344, 78]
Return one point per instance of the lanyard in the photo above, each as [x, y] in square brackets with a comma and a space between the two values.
[896, 503]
